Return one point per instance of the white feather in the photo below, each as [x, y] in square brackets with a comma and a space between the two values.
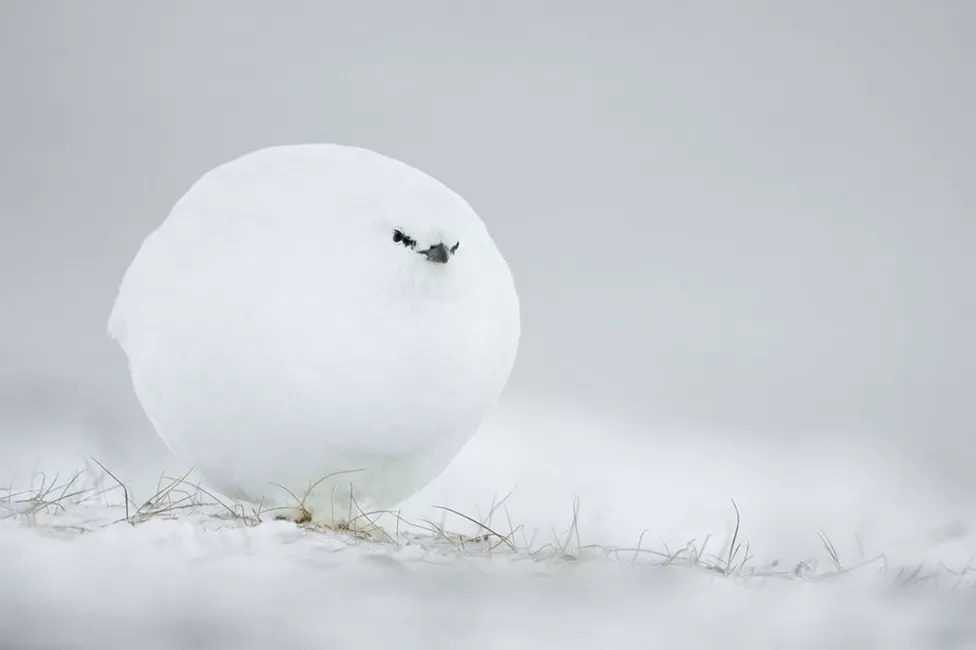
[277, 334]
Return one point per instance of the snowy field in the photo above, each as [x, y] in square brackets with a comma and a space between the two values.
[741, 212]
[598, 537]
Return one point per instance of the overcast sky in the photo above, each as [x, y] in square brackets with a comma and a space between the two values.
[753, 215]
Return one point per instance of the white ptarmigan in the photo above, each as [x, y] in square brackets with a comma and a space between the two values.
[314, 311]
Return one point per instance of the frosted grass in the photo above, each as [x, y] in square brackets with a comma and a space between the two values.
[577, 533]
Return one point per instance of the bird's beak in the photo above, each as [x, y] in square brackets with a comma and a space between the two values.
[438, 253]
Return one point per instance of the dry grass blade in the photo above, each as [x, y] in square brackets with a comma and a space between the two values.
[700, 553]
[373, 525]
[507, 541]
[640, 540]
[831, 551]
[327, 477]
[233, 511]
[41, 499]
[289, 492]
[573, 528]
[733, 545]
[437, 530]
[305, 515]
[162, 493]
[125, 490]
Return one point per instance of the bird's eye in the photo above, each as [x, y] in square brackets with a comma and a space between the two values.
[401, 237]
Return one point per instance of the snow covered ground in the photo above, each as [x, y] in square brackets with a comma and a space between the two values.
[609, 536]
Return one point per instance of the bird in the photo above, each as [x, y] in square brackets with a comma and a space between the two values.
[306, 331]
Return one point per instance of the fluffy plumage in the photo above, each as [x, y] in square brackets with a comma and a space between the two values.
[280, 327]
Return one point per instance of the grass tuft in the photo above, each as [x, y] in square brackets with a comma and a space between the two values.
[80, 505]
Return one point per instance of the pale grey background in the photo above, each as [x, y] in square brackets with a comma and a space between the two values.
[755, 215]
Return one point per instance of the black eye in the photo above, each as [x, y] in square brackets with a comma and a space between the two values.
[400, 237]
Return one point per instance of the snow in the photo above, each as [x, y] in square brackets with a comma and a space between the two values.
[179, 577]
[174, 585]
[285, 324]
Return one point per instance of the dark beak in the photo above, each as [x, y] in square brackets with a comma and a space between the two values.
[438, 253]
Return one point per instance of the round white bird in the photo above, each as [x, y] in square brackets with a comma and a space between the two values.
[318, 322]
